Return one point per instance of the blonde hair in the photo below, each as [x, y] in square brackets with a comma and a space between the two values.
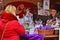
[11, 9]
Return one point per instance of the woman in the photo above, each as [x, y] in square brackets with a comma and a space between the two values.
[13, 29]
[53, 16]
[53, 13]
[21, 13]
[28, 18]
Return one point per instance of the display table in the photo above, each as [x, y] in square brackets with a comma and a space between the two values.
[51, 36]
[41, 37]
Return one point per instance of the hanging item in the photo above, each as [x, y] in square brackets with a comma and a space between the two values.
[39, 8]
[46, 4]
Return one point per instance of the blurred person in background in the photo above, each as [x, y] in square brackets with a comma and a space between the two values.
[53, 16]
[13, 29]
[35, 13]
[53, 13]
[21, 12]
[28, 17]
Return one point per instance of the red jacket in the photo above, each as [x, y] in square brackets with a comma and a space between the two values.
[13, 30]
